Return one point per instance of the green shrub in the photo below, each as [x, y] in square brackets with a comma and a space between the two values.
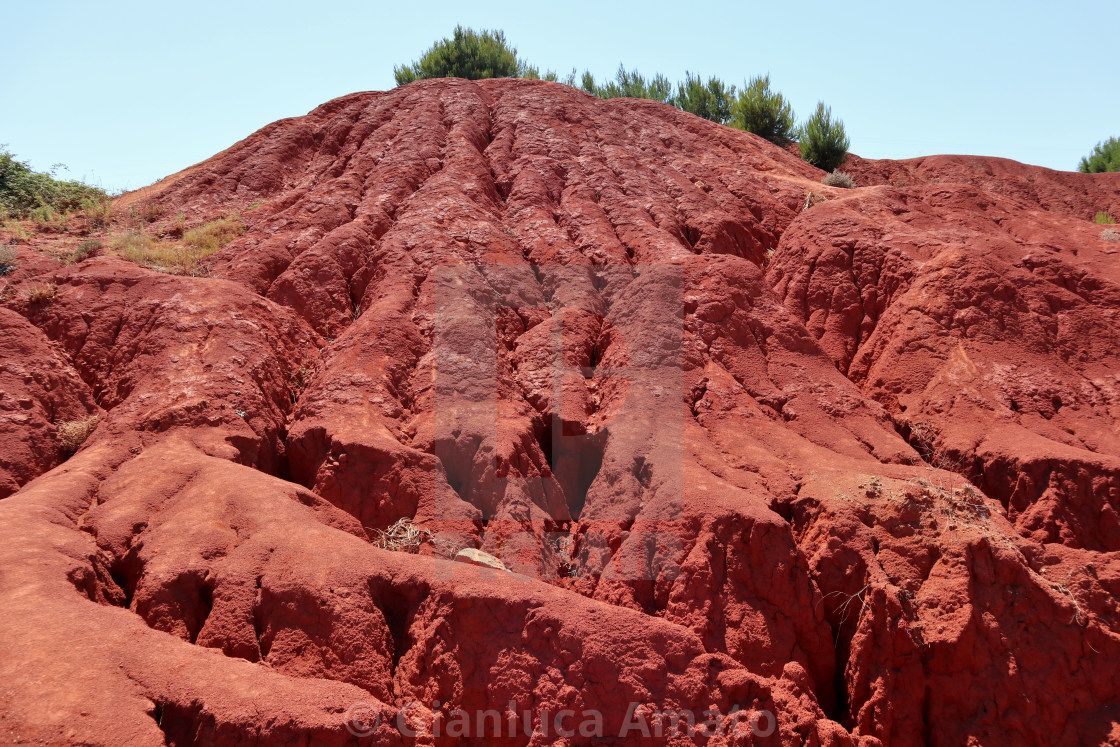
[41, 215]
[711, 100]
[467, 54]
[533, 73]
[19, 234]
[1104, 218]
[630, 84]
[823, 141]
[1105, 157]
[23, 190]
[47, 218]
[764, 112]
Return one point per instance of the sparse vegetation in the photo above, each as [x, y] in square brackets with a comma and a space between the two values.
[150, 212]
[19, 234]
[98, 211]
[178, 257]
[144, 213]
[297, 382]
[845, 607]
[943, 486]
[1103, 218]
[823, 141]
[940, 491]
[71, 434]
[764, 112]
[1105, 156]
[8, 255]
[839, 179]
[1064, 588]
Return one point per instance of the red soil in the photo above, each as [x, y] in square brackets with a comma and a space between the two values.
[856, 465]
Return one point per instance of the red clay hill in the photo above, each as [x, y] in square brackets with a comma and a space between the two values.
[847, 468]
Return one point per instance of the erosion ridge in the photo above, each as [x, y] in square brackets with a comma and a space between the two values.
[855, 464]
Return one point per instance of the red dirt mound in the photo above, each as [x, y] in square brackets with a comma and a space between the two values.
[1063, 192]
[837, 475]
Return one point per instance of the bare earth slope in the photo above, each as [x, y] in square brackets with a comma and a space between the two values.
[851, 470]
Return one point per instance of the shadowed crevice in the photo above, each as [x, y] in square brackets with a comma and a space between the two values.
[574, 458]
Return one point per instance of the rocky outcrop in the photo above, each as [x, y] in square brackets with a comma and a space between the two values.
[39, 391]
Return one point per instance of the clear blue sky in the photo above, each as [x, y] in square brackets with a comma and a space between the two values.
[127, 92]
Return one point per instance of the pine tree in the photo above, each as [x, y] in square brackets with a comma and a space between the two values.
[764, 112]
[711, 100]
[823, 142]
[467, 54]
[1105, 157]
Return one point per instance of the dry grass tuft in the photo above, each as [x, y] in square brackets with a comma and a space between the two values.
[213, 236]
[135, 247]
[1064, 588]
[297, 382]
[767, 258]
[404, 536]
[178, 257]
[39, 292]
[811, 199]
[8, 255]
[86, 249]
[71, 434]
